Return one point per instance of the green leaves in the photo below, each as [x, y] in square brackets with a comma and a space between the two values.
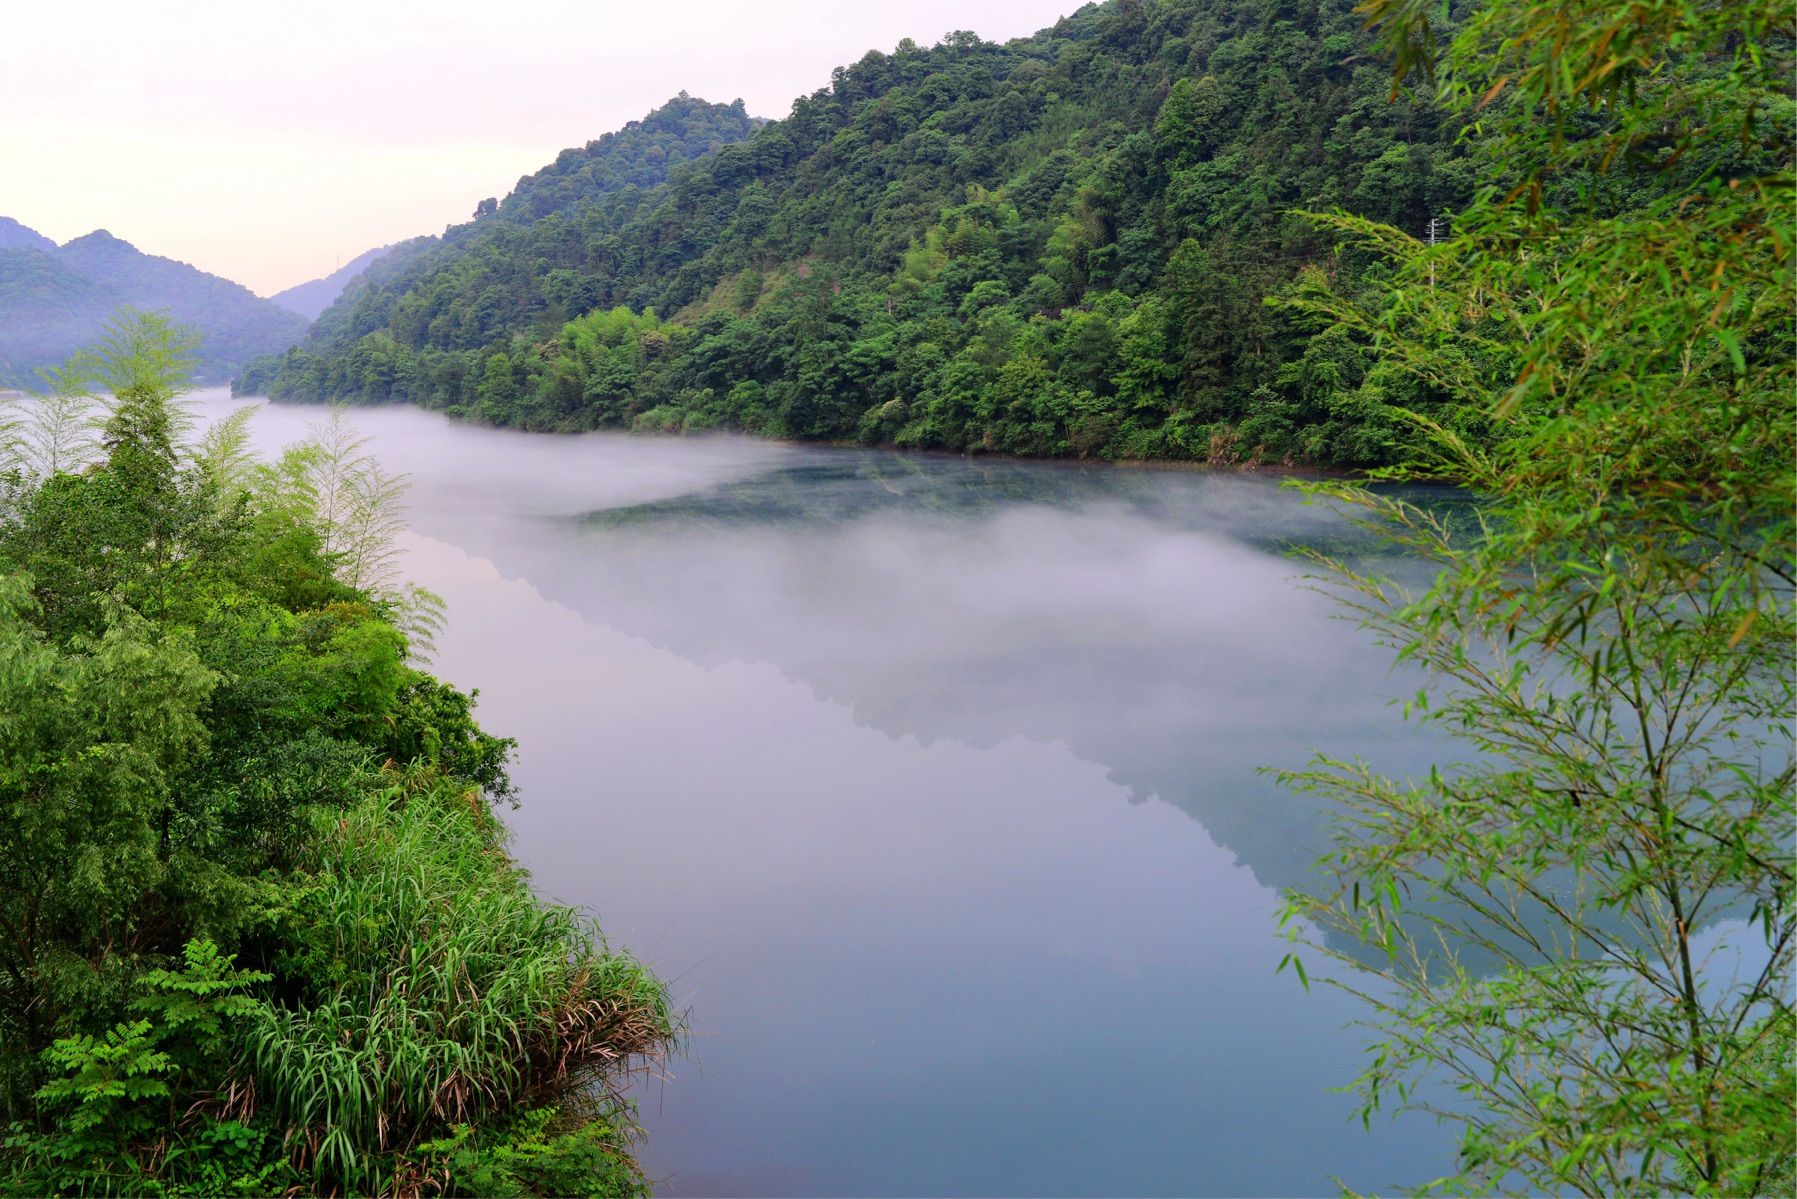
[103, 1078]
[195, 1003]
[1616, 643]
[542, 1152]
[108, 1103]
[1297, 965]
[198, 676]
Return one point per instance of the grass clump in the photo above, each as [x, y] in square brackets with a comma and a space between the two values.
[440, 995]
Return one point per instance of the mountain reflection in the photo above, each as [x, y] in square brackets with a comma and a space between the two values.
[841, 740]
[1148, 619]
[1151, 619]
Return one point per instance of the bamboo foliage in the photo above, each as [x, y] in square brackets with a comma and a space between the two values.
[224, 455]
[371, 522]
[1542, 908]
[419, 613]
[356, 507]
[1588, 926]
[60, 431]
[354, 504]
[55, 430]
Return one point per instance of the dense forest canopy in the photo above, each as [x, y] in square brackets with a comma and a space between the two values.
[1055, 246]
[56, 299]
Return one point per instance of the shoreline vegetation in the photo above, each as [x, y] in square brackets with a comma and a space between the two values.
[1059, 247]
[1275, 470]
[259, 932]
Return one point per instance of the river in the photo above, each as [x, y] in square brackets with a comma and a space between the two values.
[932, 787]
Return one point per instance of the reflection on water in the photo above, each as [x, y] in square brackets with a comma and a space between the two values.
[934, 787]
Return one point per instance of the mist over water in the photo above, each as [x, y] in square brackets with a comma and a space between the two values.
[932, 786]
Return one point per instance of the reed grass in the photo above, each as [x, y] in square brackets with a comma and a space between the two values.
[442, 991]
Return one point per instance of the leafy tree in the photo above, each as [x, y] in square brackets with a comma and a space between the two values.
[1615, 638]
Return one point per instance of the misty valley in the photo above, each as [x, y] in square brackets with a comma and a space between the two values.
[1177, 598]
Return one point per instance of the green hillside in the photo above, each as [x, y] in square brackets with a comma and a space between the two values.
[483, 279]
[1055, 246]
[54, 300]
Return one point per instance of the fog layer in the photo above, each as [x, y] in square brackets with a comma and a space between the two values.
[934, 788]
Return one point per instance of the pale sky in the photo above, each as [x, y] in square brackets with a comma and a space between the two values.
[269, 142]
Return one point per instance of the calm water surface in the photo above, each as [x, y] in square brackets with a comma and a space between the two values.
[931, 786]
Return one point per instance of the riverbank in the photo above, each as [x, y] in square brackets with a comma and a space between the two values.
[1282, 469]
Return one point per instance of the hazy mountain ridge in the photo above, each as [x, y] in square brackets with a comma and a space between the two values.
[314, 296]
[14, 236]
[55, 300]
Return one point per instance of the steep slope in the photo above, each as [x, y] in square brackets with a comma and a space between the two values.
[496, 269]
[1055, 246]
[311, 298]
[41, 301]
[53, 301]
[14, 236]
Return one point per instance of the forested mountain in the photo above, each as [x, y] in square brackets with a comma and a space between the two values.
[313, 297]
[14, 236]
[1055, 246]
[488, 277]
[55, 299]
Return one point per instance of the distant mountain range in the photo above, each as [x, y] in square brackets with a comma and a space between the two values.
[56, 299]
[14, 236]
[310, 299]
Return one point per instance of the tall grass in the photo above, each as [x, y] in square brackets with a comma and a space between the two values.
[442, 992]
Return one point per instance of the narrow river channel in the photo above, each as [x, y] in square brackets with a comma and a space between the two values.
[933, 787]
